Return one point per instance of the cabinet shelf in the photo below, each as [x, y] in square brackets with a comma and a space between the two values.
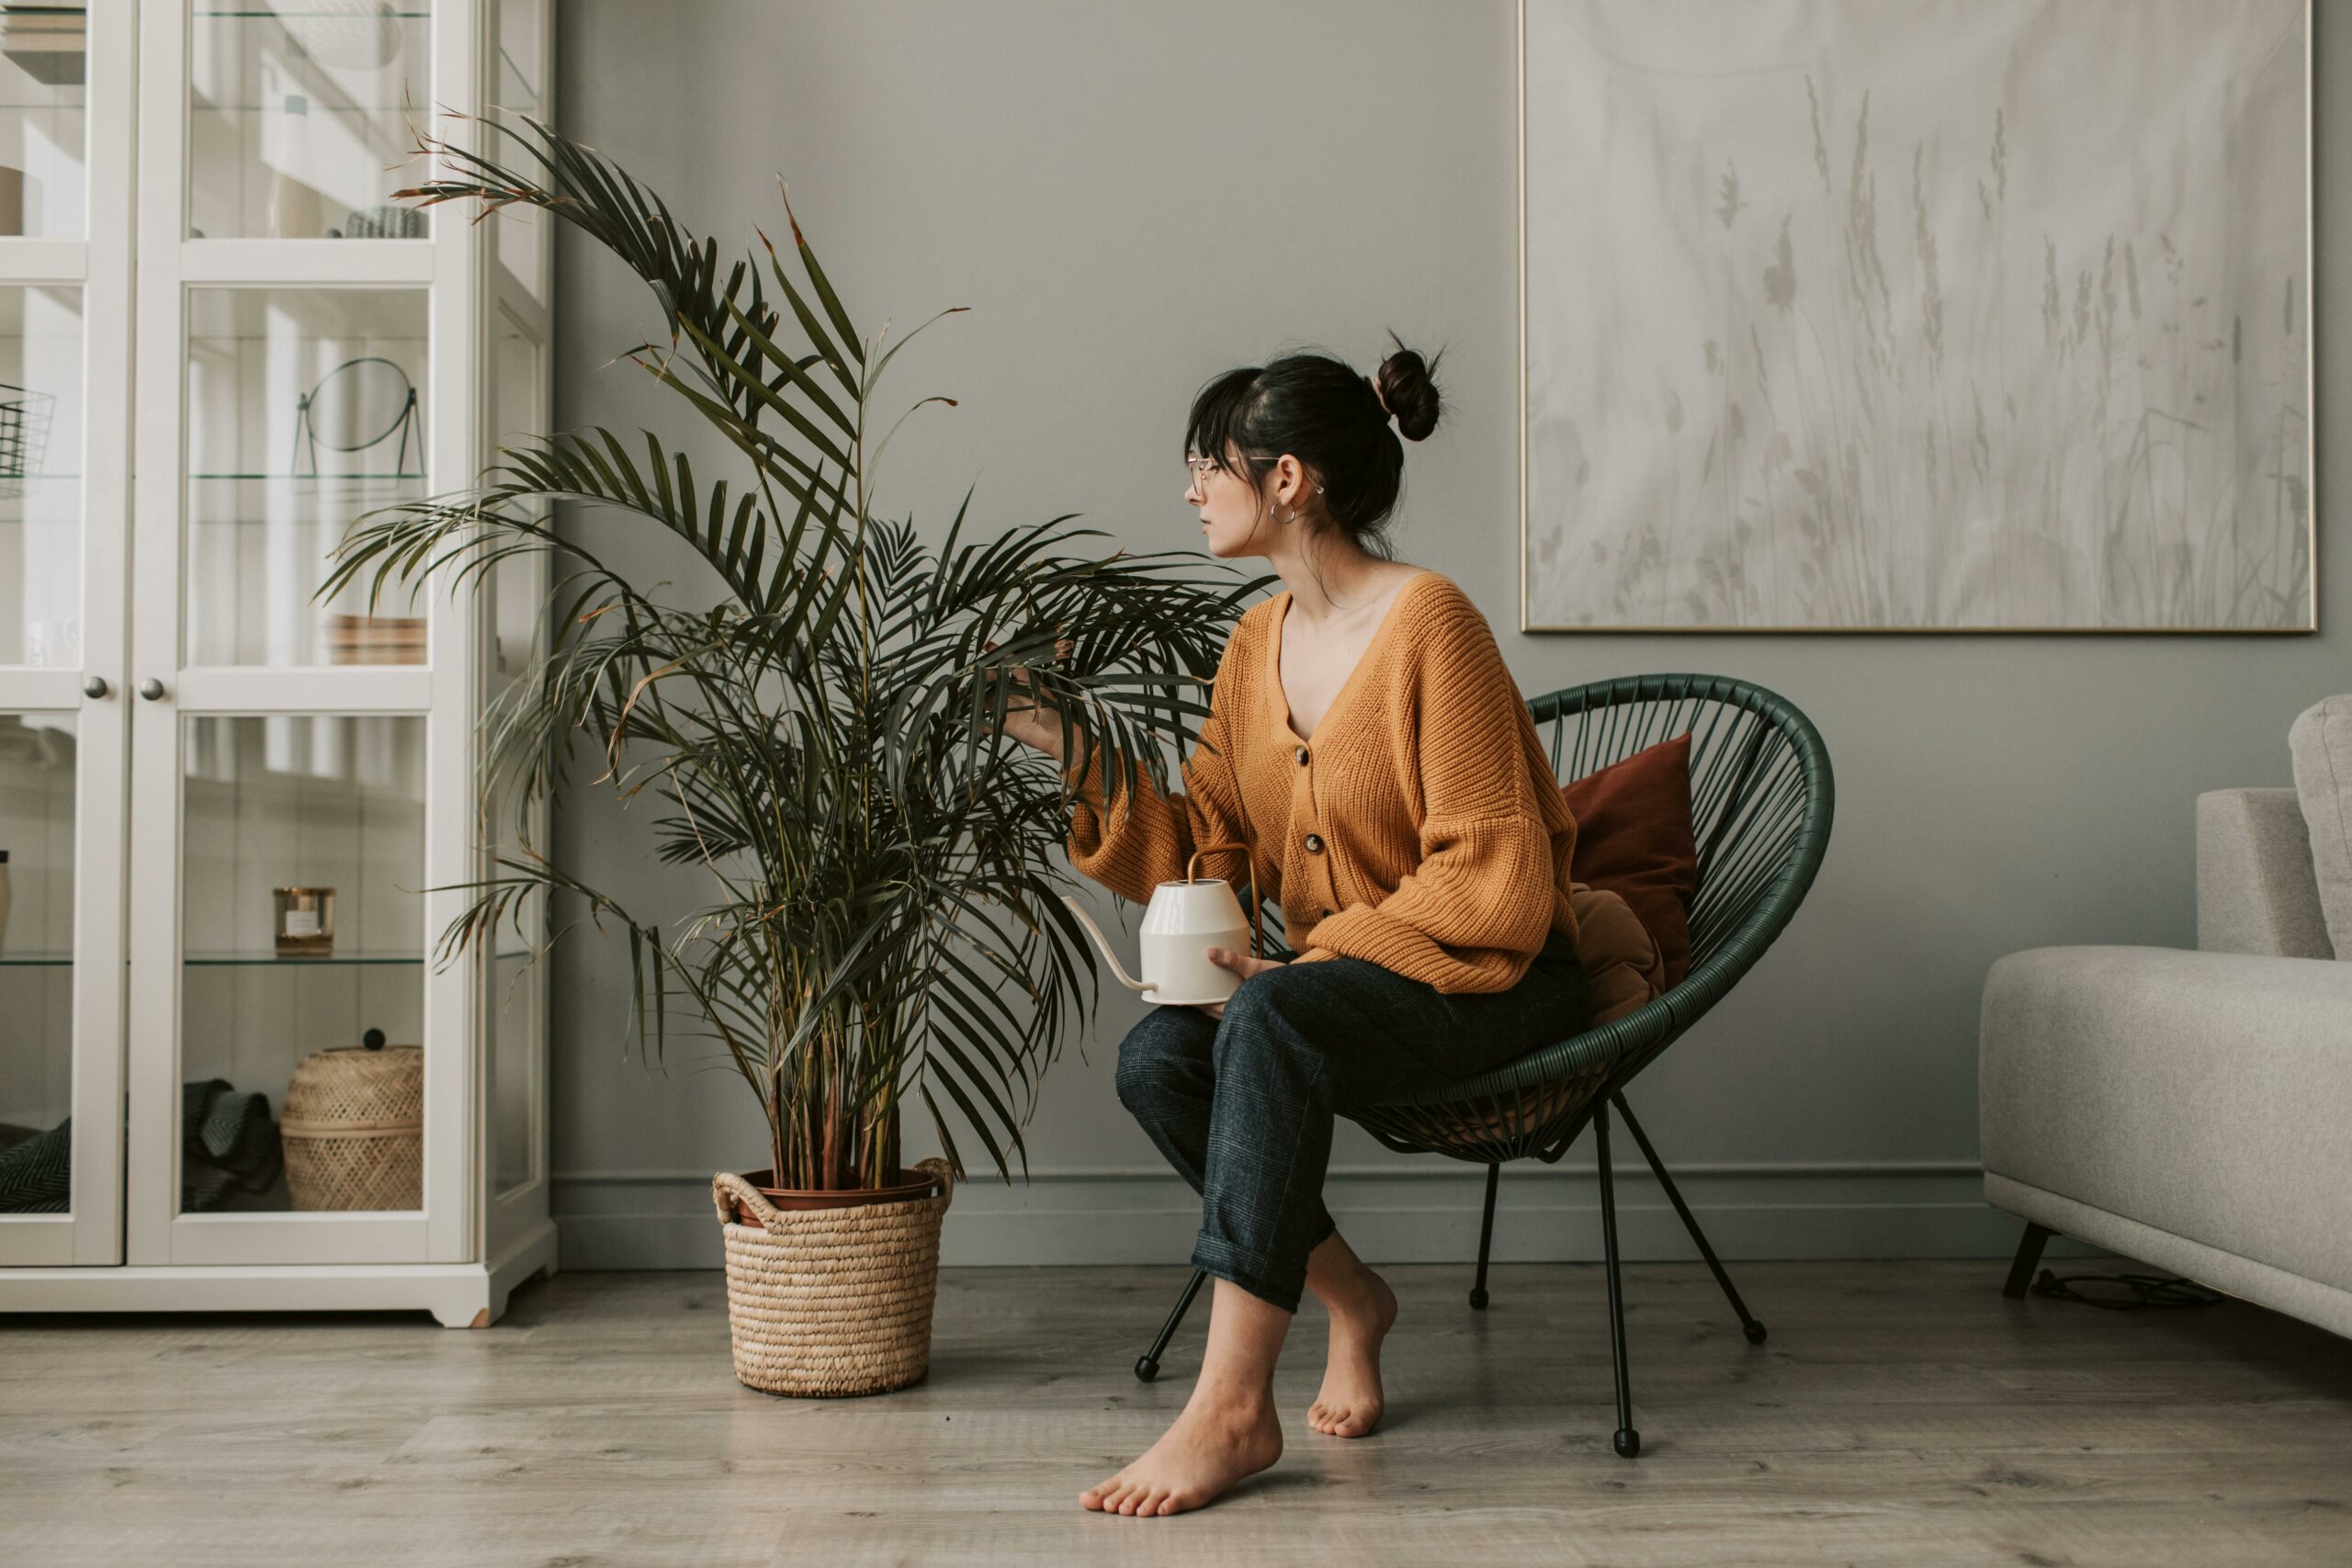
[271, 960]
[243, 960]
[265, 14]
[366, 112]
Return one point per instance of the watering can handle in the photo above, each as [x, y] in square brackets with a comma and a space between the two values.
[1257, 915]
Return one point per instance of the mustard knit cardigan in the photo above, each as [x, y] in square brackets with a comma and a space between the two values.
[1421, 827]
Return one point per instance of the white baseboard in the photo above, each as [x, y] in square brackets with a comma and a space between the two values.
[1405, 1212]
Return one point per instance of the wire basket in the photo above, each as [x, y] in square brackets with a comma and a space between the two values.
[25, 416]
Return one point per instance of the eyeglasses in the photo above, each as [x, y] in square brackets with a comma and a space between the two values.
[1198, 471]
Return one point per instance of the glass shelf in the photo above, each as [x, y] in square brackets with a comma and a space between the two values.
[269, 14]
[264, 960]
[220, 960]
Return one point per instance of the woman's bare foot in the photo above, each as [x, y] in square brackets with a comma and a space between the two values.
[1349, 1404]
[1217, 1439]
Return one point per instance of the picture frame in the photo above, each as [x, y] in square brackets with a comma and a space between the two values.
[1921, 555]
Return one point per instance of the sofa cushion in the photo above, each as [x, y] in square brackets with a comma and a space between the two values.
[2321, 744]
[1635, 838]
[2256, 891]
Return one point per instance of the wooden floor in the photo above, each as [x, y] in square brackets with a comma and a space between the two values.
[1900, 1413]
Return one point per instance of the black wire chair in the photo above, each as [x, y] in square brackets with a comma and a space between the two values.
[1762, 798]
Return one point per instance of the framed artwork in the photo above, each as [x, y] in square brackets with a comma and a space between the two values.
[1915, 316]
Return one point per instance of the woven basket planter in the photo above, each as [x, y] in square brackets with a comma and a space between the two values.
[827, 1301]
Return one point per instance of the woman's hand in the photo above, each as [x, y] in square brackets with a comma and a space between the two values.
[1029, 719]
[1241, 964]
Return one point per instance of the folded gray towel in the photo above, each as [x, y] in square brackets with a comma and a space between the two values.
[226, 1141]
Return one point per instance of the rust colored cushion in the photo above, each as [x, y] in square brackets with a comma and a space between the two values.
[1621, 967]
[1633, 839]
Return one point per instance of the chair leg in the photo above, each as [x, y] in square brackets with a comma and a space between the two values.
[1747, 1322]
[1147, 1364]
[2029, 1256]
[1629, 1442]
[1485, 1240]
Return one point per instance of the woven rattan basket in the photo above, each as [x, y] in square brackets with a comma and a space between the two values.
[824, 1303]
[355, 1128]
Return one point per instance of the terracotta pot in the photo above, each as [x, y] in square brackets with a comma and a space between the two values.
[911, 1184]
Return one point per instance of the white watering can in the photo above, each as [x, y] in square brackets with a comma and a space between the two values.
[1182, 921]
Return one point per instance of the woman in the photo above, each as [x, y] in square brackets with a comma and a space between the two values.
[1365, 736]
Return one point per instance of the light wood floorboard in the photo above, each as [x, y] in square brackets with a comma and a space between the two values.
[1900, 1413]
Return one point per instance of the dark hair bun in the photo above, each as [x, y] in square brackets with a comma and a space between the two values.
[1404, 386]
[1333, 418]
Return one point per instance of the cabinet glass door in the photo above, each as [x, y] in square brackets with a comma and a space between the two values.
[512, 607]
[304, 411]
[65, 109]
[519, 62]
[302, 985]
[41, 478]
[44, 80]
[297, 118]
[43, 1183]
[299, 1069]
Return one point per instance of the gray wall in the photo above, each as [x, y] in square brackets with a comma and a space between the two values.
[1131, 199]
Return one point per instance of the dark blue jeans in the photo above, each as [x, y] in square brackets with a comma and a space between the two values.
[1243, 1106]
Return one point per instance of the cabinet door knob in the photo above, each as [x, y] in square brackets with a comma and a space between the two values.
[96, 686]
[151, 688]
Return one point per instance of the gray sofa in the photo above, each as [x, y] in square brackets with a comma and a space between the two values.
[2194, 1110]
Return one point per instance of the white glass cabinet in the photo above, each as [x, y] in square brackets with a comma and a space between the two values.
[205, 283]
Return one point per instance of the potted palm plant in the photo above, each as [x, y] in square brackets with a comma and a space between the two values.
[818, 729]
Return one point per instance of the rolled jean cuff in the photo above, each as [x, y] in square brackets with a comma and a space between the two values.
[1261, 1277]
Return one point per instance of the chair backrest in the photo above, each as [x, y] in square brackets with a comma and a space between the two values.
[1762, 791]
[1761, 797]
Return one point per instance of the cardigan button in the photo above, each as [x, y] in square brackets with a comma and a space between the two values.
[1302, 756]
[1314, 843]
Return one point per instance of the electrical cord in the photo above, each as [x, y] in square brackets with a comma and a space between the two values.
[2138, 1290]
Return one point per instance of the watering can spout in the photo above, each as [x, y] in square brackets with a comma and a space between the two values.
[1104, 943]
